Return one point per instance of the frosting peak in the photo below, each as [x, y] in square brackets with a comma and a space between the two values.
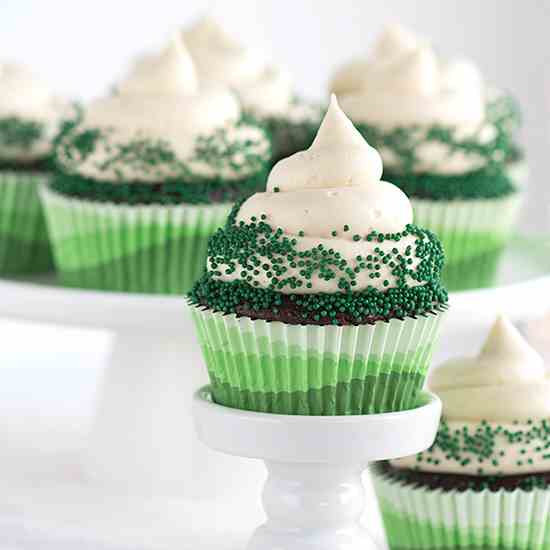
[505, 358]
[496, 409]
[170, 72]
[337, 130]
[394, 40]
[506, 382]
[218, 57]
[403, 82]
[338, 157]
[210, 33]
[264, 89]
[506, 345]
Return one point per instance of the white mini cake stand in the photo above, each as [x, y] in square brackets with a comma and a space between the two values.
[314, 496]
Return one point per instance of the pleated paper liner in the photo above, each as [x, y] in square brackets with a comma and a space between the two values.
[145, 248]
[473, 233]
[24, 243]
[316, 370]
[417, 518]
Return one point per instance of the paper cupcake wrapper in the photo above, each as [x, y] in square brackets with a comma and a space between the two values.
[417, 518]
[473, 234]
[144, 248]
[316, 370]
[24, 242]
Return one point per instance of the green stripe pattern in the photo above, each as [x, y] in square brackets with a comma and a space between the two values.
[473, 233]
[315, 370]
[159, 249]
[24, 243]
[417, 518]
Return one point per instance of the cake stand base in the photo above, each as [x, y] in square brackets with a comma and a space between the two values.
[314, 496]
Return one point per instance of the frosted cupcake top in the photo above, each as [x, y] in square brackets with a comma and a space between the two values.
[427, 114]
[496, 411]
[264, 89]
[327, 225]
[29, 115]
[161, 125]
[405, 83]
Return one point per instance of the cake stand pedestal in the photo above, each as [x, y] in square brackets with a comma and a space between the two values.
[314, 496]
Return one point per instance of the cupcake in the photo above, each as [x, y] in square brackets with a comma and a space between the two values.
[320, 296]
[266, 91]
[446, 139]
[485, 482]
[29, 120]
[147, 175]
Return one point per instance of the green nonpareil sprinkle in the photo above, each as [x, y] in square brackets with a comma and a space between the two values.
[406, 141]
[483, 443]
[256, 246]
[227, 150]
[18, 133]
[164, 178]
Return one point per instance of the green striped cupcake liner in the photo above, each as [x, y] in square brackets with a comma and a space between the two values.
[158, 249]
[24, 243]
[275, 367]
[473, 233]
[417, 518]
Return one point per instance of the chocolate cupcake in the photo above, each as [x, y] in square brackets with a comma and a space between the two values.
[485, 482]
[447, 140]
[30, 116]
[321, 297]
[146, 175]
[266, 91]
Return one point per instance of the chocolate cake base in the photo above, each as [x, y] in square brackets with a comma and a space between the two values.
[457, 482]
[39, 165]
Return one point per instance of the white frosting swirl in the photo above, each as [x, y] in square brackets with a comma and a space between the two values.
[335, 183]
[338, 157]
[395, 41]
[505, 387]
[160, 101]
[263, 89]
[506, 367]
[26, 97]
[404, 84]
[218, 57]
[171, 72]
